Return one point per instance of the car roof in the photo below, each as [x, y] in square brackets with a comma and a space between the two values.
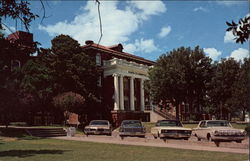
[214, 120]
[100, 120]
[168, 120]
[131, 121]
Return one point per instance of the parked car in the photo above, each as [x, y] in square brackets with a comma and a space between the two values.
[96, 127]
[131, 128]
[217, 131]
[170, 129]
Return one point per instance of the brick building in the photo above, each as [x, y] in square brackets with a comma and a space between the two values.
[122, 81]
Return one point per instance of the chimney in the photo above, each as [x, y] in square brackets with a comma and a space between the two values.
[89, 42]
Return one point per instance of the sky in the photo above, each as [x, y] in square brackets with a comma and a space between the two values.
[144, 28]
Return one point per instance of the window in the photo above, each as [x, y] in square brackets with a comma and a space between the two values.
[98, 59]
[99, 83]
[15, 64]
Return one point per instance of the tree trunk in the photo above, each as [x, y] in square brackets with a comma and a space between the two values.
[177, 110]
[243, 115]
[221, 114]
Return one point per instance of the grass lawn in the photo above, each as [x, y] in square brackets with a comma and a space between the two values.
[58, 150]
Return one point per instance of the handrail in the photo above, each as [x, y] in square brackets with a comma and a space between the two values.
[162, 113]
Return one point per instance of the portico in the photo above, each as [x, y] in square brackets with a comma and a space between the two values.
[121, 69]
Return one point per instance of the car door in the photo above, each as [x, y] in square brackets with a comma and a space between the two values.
[200, 131]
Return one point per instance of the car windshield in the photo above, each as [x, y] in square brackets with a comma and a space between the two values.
[169, 123]
[218, 123]
[131, 123]
[98, 122]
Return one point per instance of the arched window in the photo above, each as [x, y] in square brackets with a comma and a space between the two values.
[98, 60]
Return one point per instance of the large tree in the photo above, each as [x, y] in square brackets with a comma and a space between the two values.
[241, 90]
[63, 68]
[221, 88]
[180, 76]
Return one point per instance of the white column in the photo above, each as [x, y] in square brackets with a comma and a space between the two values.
[132, 97]
[121, 93]
[116, 92]
[142, 95]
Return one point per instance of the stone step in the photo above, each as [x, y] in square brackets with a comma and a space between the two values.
[46, 132]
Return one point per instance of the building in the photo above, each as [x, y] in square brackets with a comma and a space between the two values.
[122, 82]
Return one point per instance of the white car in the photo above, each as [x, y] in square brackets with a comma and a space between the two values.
[98, 127]
[217, 131]
[170, 129]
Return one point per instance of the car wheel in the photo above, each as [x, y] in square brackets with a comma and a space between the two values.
[186, 138]
[217, 143]
[238, 141]
[199, 139]
[155, 137]
[209, 138]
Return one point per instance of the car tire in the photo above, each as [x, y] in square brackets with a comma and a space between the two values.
[238, 141]
[155, 137]
[209, 139]
[199, 139]
[186, 138]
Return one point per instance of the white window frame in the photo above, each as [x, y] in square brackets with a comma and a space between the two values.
[98, 59]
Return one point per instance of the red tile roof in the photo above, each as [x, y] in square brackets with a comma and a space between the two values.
[121, 54]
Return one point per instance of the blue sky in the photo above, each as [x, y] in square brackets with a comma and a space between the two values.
[145, 28]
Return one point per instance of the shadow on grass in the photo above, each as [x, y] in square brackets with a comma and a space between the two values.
[28, 153]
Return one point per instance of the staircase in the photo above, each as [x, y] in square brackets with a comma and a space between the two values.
[164, 114]
[46, 132]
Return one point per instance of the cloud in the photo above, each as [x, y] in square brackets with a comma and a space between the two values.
[118, 24]
[230, 3]
[240, 54]
[141, 45]
[147, 8]
[164, 31]
[229, 37]
[212, 53]
[200, 9]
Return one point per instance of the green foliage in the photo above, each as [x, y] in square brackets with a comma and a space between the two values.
[241, 30]
[16, 10]
[69, 101]
[181, 75]
[241, 90]
[60, 69]
[220, 93]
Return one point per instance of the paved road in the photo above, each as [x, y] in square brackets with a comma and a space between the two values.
[191, 144]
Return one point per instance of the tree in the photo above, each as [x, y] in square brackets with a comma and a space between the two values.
[221, 90]
[74, 70]
[241, 31]
[37, 81]
[241, 90]
[16, 10]
[180, 76]
[69, 101]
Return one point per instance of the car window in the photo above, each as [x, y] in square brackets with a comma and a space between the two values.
[218, 123]
[98, 122]
[203, 124]
[169, 123]
[131, 123]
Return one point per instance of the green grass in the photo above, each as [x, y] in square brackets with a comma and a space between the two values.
[58, 150]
